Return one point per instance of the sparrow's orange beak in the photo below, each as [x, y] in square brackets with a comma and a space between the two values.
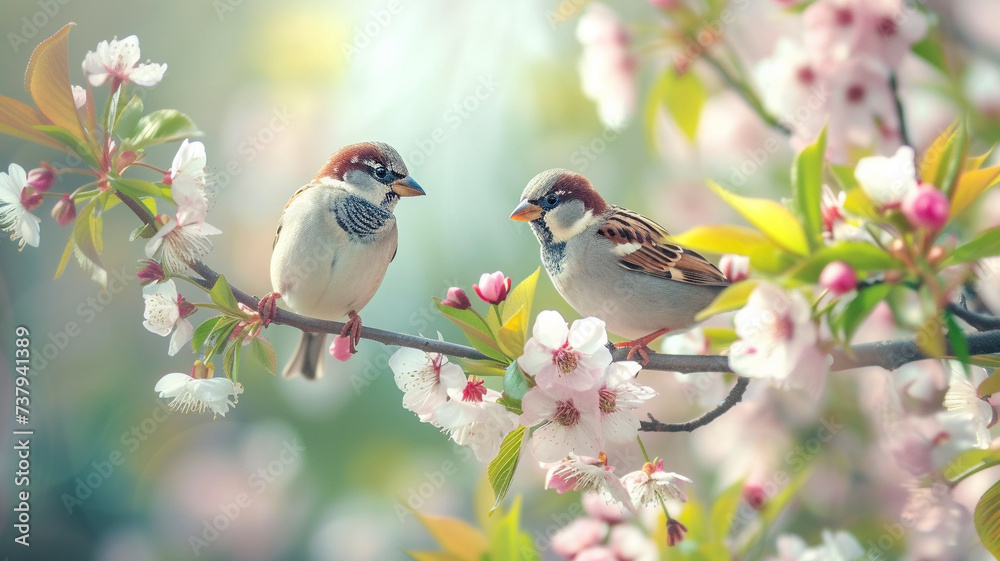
[407, 187]
[526, 211]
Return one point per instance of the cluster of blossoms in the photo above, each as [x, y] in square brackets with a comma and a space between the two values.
[21, 192]
[606, 533]
[842, 69]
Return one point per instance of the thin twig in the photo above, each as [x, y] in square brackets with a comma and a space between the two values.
[981, 322]
[752, 100]
[734, 397]
[900, 114]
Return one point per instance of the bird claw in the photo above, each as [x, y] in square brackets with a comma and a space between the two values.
[640, 347]
[268, 308]
[352, 331]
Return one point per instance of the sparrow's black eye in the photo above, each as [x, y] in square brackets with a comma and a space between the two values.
[381, 172]
[551, 201]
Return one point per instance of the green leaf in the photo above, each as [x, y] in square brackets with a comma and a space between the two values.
[765, 256]
[858, 203]
[968, 460]
[136, 188]
[231, 360]
[483, 369]
[74, 144]
[164, 125]
[515, 383]
[84, 230]
[844, 175]
[522, 296]
[724, 509]
[202, 332]
[732, 298]
[128, 118]
[143, 231]
[64, 260]
[986, 361]
[501, 469]
[986, 244]
[512, 334]
[222, 295]
[220, 335]
[957, 339]
[508, 542]
[777, 504]
[512, 405]
[475, 330]
[944, 159]
[861, 256]
[684, 97]
[990, 385]
[807, 181]
[970, 186]
[859, 308]
[770, 217]
[930, 50]
[986, 518]
[47, 80]
[263, 352]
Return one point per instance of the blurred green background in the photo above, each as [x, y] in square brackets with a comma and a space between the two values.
[477, 97]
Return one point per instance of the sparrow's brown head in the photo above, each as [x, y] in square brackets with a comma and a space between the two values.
[371, 166]
[561, 203]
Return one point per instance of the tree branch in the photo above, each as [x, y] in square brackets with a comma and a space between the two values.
[734, 397]
[981, 322]
[900, 114]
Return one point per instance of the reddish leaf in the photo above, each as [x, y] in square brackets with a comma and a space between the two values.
[18, 119]
[47, 80]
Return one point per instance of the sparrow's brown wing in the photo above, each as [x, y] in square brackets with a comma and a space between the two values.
[644, 246]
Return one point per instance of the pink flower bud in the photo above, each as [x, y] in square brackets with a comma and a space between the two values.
[41, 178]
[664, 4]
[926, 207]
[754, 495]
[838, 277]
[457, 298]
[675, 532]
[340, 349]
[64, 211]
[595, 505]
[735, 267]
[150, 272]
[494, 288]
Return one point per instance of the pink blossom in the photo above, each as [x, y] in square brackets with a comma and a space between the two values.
[879, 30]
[777, 337]
[926, 207]
[596, 505]
[167, 311]
[151, 272]
[425, 379]
[596, 553]
[576, 473]
[119, 61]
[492, 289]
[838, 277]
[607, 68]
[473, 418]
[570, 422]
[577, 536]
[619, 397]
[41, 179]
[561, 355]
[651, 484]
[632, 544]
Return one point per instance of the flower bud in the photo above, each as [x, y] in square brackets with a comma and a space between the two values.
[340, 349]
[936, 255]
[675, 532]
[64, 211]
[926, 207]
[735, 267]
[41, 179]
[150, 273]
[457, 298]
[754, 495]
[838, 277]
[665, 4]
[493, 289]
[127, 158]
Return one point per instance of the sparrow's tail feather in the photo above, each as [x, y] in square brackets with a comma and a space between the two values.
[308, 359]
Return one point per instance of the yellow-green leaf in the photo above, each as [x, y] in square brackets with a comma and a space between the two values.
[807, 182]
[522, 296]
[732, 298]
[455, 536]
[508, 541]
[723, 238]
[930, 338]
[47, 80]
[770, 217]
[684, 97]
[501, 469]
[930, 164]
[986, 518]
[65, 257]
[434, 556]
[990, 385]
[222, 295]
[860, 256]
[970, 186]
[858, 203]
[511, 335]
[986, 244]
[725, 508]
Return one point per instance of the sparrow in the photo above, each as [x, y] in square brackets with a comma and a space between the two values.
[335, 240]
[615, 264]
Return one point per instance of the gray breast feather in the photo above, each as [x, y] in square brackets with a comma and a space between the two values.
[362, 220]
